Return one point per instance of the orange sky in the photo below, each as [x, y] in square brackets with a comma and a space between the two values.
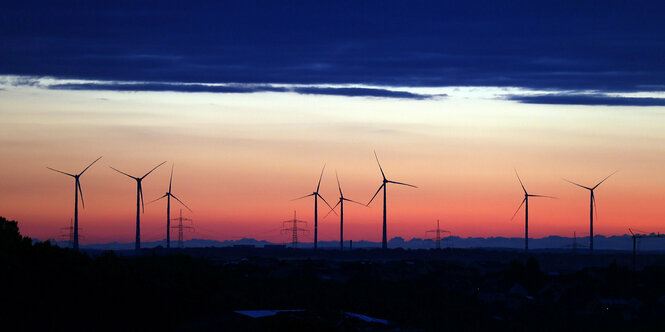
[241, 158]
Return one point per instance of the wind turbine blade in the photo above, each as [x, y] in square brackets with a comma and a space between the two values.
[146, 174]
[320, 177]
[403, 184]
[324, 200]
[377, 161]
[78, 185]
[377, 192]
[121, 172]
[338, 185]
[631, 232]
[65, 173]
[577, 184]
[352, 201]
[156, 199]
[595, 208]
[141, 194]
[92, 163]
[295, 199]
[171, 179]
[183, 204]
[518, 209]
[331, 210]
[518, 178]
[543, 196]
[604, 179]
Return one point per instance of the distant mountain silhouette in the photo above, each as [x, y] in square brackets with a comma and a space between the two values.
[554, 243]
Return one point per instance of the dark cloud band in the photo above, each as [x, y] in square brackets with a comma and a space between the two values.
[588, 99]
[242, 88]
[566, 45]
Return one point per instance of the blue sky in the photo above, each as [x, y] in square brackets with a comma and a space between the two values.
[565, 46]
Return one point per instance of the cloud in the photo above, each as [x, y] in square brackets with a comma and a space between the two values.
[242, 88]
[362, 92]
[587, 99]
[568, 45]
[136, 87]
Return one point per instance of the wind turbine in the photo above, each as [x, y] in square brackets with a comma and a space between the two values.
[635, 238]
[139, 201]
[384, 185]
[168, 196]
[340, 202]
[316, 207]
[592, 206]
[525, 202]
[77, 192]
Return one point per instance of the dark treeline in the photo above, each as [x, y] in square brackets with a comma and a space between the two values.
[52, 288]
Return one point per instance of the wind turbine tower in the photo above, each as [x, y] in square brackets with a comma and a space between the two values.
[139, 202]
[168, 196]
[384, 186]
[592, 207]
[525, 202]
[77, 192]
[316, 208]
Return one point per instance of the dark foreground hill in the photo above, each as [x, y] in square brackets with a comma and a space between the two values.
[51, 288]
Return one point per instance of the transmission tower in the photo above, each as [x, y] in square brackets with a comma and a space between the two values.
[291, 226]
[575, 245]
[69, 234]
[180, 228]
[437, 235]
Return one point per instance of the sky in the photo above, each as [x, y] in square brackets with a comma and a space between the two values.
[249, 100]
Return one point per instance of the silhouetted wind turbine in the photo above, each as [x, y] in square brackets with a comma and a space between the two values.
[139, 201]
[526, 211]
[384, 185]
[635, 238]
[592, 206]
[77, 192]
[340, 202]
[168, 196]
[316, 207]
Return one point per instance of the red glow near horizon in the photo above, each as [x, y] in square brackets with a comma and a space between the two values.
[241, 160]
